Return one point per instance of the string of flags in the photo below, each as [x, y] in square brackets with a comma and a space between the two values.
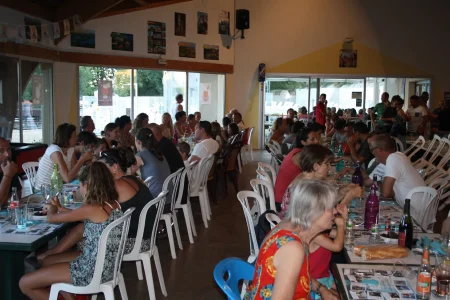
[35, 32]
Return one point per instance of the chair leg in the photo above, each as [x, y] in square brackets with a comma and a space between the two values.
[148, 275]
[139, 270]
[162, 284]
[54, 293]
[191, 217]
[108, 292]
[122, 287]
[203, 209]
[177, 229]
[239, 163]
[251, 151]
[167, 221]
[188, 223]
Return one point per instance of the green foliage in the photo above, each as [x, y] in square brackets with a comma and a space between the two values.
[150, 83]
[89, 77]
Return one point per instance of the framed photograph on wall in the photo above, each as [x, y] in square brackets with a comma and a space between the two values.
[348, 58]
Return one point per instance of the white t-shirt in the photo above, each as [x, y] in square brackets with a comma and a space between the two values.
[379, 170]
[416, 115]
[45, 169]
[406, 177]
[205, 148]
[175, 109]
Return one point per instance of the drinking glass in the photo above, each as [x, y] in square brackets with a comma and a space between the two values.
[21, 217]
[29, 216]
[445, 242]
[406, 270]
[46, 190]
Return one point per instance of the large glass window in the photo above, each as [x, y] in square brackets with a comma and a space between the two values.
[28, 119]
[343, 93]
[154, 93]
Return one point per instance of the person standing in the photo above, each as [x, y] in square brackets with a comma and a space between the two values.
[321, 110]
[87, 124]
[177, 106]
[417, 116]
[378, 110]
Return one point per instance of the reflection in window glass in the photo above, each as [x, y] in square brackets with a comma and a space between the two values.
[207, 95]
[8, 100]
[174, 84]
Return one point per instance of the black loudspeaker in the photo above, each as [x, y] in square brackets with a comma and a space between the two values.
[242, 19]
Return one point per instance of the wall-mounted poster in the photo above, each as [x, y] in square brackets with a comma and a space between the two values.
[180, 24]
[211, 52]
[56, 31]
[186, 49]
[358, 102]
[85, 39]
[205, 89]
[66, 24]
[356, 95]
[33, 34]
[202, 23]
[224, 22]
[156, 37]
[37, 25]
[348, 58]
[105, 93]
[121, 41]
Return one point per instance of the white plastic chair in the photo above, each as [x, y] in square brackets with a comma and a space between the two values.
[199, 187]
[263, 188]
[446, 193]
[187, 209]
[172, 184]
[273, 219]
[145, 257]
[399, 144]
[267, 167]
[147, 181]
[259, 203]
[422, 205]
[248, 150]
[30, 169]
[436, 139]
[277, 147]
[96, 286]
[415, 147]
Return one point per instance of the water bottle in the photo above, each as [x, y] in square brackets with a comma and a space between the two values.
[372, 208]
[374, 235]
[357, 177]
[340, 164]
[56, 180]
[349, 235]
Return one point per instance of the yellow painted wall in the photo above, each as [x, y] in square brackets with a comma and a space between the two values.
[326, 61]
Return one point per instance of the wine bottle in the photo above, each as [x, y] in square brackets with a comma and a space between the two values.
[56, 180]
[405, 230]
[357, 177]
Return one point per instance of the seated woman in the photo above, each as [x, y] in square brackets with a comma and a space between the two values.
[61, 153]
[131, 193]
[125, 138]
[150, 160]
[216, 132]
[281, 269]
[192, 122]
[99, 209]
[225, 122]
[181, 128]
[110, 135]
[141, 121]
[290, 138]
[167, 126]
[315, 163]
[279, 130]
[329, 127]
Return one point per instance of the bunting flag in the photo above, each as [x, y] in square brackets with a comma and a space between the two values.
[56, 31]
[33, 34]
[3, 32]
[20, 34]
[44, 30]
[66, 23]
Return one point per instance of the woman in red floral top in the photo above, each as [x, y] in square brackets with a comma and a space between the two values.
[125, 138]
[281, 269]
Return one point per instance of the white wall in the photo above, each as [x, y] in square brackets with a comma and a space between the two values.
[136, 23]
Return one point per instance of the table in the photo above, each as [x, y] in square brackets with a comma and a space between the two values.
[375, 281]
[14, 247]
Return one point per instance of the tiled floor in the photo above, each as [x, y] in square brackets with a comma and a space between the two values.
[190, 276]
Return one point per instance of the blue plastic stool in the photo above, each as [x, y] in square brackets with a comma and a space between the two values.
[237, 269]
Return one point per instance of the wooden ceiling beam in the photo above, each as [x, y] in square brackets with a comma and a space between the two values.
[87, 9]
[148, 6]
[29, 8]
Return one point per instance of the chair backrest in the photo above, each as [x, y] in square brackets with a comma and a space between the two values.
[423, 200]
[122, 224]
[277, 146]
[399, 144]
[158, 203]
[231, 161]
[147, 181]
[250, 134]
[444, 152]
[267, 167]
[436, 141]
[185, 175]
[254, 247]
[30, 168]
[264, 188]
[262, 174]
[204, 168]
[273, 219]
[235, 270]
[171, 184]
[415, 147]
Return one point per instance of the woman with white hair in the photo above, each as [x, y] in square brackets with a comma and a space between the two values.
[281, 269]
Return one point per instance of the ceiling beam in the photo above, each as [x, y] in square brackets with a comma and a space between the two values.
[141, 2]
[147, 6]
[87, 9]
[29, 8]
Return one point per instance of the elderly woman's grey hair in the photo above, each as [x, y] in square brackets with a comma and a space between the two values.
[309, 200]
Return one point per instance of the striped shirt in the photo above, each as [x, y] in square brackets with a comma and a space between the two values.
[45, 169]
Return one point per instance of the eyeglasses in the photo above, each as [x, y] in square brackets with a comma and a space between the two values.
[371, 149]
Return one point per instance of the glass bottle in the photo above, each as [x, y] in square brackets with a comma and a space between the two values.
[423, 288]
[340, 164]
[374, 235]
[372, 208]
[405, 230]
[357, 177]
[56, 180]
[349, 235]
[12, 204]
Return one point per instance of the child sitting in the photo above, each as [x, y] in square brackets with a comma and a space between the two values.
[184, 150]
[340, 136]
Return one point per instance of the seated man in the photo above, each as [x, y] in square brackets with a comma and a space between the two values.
[363, 154]
[8, 173]
[206, 145]
[400, 176]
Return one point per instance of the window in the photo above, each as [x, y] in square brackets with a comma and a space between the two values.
[154, 93]
[28, 119]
